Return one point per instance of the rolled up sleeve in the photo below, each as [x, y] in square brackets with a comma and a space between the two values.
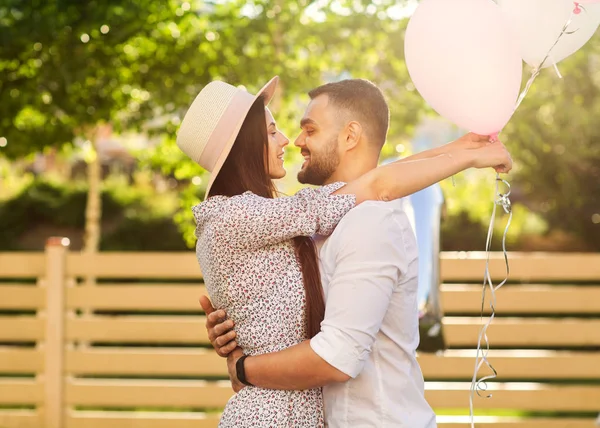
[370, 259]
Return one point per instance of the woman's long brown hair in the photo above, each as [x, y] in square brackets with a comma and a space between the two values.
[246, 169]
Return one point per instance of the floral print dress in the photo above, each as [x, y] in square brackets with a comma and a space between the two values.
[247, 256]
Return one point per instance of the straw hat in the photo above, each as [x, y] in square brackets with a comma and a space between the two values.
[213, 122]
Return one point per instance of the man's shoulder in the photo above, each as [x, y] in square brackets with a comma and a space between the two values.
[369, 221]
[370, 212]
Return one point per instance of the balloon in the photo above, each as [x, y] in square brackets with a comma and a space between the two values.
[463, 59]
[538, 24]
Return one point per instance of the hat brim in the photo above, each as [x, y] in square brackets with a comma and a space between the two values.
[268, 91]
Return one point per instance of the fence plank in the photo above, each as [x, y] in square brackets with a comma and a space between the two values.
[455, 266]
[515, 396]
[460, 332]
[20, 419]
[142, 420]
[151, 329]
[137, 297]
[21, 297]
[156, 362]
[200, 420]
[135, 265]
[456, 298]
[19, 360]
[22, 265]
[524, 299]
[21, 328]
[524, 332]
[508, 422]
[140, 393]
[514, 364]
[525, 267]
[452, 365]
[54, 339]
[20, 391]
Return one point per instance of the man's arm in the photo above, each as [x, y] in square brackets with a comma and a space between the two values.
[370, 261]
[294, 368]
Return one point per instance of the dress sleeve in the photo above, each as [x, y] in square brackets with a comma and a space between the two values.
[249, 221]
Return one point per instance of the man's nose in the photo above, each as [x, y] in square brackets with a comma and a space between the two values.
[299, 141]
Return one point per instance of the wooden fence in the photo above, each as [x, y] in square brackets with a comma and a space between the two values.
[132, 352]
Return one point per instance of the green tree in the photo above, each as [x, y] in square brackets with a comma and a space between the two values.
[306, 43]
[555, 138]
[68, 67]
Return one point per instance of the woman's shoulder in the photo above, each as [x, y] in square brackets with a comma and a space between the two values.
[220, 204]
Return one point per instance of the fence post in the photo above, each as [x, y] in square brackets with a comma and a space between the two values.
[56, 256]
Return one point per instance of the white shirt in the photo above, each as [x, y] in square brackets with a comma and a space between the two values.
[369, 269]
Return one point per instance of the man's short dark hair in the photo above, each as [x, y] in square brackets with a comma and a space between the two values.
[365, 103]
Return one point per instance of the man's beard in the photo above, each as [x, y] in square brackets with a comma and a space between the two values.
[320, 167]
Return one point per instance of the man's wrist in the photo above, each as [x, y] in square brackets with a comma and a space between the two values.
[240, 370]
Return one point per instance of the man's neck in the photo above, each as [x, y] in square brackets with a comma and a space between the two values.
[351, 171]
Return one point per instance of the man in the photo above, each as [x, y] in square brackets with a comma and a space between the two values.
[364, 356]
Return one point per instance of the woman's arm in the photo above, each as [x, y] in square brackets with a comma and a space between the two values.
[249, 221]
[402, 178]
[468, 141]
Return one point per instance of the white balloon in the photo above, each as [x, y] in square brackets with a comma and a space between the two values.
[464, 60]
[538, 24]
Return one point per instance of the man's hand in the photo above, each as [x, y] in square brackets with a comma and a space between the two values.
[231, 362]
[220, 330]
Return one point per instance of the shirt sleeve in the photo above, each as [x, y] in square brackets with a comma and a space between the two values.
[369, 265]
[250, 221]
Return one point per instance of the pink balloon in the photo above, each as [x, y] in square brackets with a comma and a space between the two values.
[577, 9]
[465, 61]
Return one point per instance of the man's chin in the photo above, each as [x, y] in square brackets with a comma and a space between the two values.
[305, 177]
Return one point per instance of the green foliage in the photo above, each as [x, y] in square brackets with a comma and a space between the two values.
[69, 65]
[555, 137]
[468, 205]
[132, 222]
[305, 43]
[144, 234]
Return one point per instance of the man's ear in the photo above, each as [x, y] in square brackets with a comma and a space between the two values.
[353, 134]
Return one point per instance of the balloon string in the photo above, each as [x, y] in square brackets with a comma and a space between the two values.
[536, 71]
[481, 359]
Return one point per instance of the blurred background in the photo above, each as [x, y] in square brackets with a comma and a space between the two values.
[92, 94]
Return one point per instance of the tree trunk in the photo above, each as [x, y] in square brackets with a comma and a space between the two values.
[93, 209]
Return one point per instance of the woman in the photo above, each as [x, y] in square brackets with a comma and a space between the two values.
[255, 250]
